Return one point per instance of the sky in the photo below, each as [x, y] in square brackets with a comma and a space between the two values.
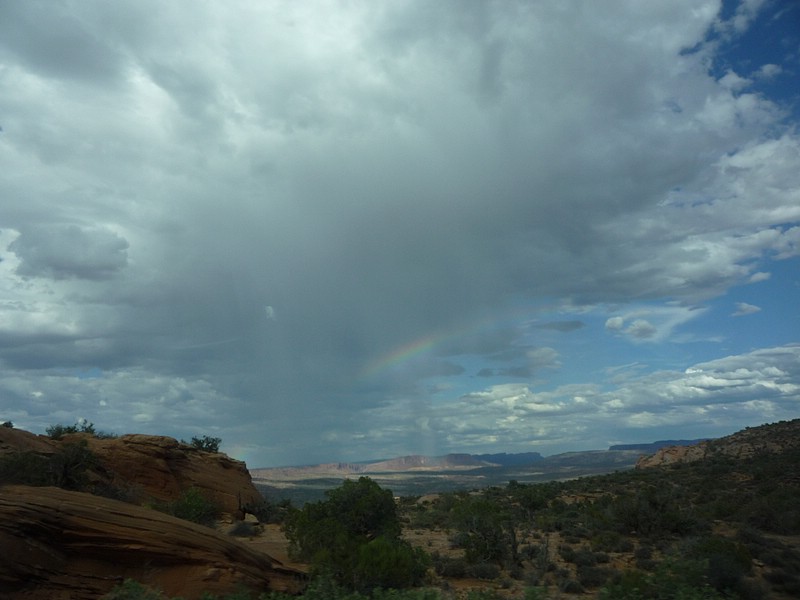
[333, 231]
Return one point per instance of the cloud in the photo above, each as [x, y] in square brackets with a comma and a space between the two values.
[743, 308]
[62, 252]
[768, 71]
[564, 326]
[721, 395]
[641, 329]
[652, 323]
[422, 181]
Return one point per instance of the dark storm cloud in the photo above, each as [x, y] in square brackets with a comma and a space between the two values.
[390, 179]
[53, 40]
[62, 252]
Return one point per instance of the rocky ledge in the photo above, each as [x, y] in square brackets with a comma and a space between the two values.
[149, 467]
[58, 545]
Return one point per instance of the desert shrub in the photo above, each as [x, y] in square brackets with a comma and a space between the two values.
[242, 529]
[484, 570]
[677, 580]
[388, 563]
[449, 567]
[777, 511]
[206, 443]
[567, 552]
[25, 468]
[70, 464]
[194, 506]
[133, 590]
[58, 430]
[584, 557]
[571, 586]
[727, 561]
[593, 577]
[122, 491]
[611, 541]
[67, 468]
[482, 594]
[485, 530]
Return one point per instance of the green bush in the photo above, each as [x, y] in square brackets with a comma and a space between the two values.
[677, 580]
[727, 561]
[354, 536]
[206, 443]
[593, 577]
[386, 563]
[484, 570]
[456, 568]
[25, 468]
[133, 590]
[67, 468]
[58, 431]
[193, 506]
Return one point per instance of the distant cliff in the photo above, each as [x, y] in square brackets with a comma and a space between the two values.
[655, 446]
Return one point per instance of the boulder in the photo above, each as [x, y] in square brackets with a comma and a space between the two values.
[58, 545]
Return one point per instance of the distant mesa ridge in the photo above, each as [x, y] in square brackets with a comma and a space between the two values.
[410, 463]
[654, 446]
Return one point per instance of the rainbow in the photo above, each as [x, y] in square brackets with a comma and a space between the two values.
[403, 354]
[513, 316]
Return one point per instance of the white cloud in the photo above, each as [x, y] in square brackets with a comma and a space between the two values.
[768, 71]
[743, 308]
[652, 323]
[721, 395]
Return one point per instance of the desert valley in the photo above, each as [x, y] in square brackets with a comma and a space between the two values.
[89, 516]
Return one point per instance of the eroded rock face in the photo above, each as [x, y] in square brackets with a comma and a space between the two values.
[19, 440]
[58, 545]
[674, 454]
[163, 468]
[149, 467]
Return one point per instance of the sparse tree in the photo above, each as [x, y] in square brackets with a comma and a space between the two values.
[206, 443]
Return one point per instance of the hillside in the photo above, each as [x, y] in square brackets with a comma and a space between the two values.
[725, 525]
[774, 438]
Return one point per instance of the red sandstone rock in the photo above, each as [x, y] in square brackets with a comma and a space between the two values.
[60, 545]
[151, 467]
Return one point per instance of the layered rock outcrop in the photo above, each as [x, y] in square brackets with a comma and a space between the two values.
[162, 468]
[59, 545]
[148, 467]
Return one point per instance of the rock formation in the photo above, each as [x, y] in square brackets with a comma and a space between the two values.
[773, 438]
[59, 545]
[151, 467]
[162, 468]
